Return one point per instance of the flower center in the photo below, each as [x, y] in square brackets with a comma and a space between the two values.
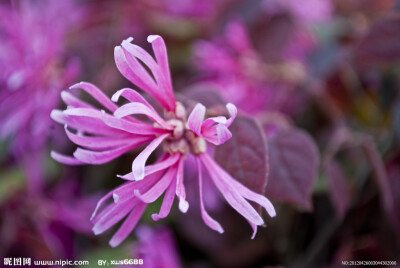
[182, 139]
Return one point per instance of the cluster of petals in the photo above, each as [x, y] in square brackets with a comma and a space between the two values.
[105, 134]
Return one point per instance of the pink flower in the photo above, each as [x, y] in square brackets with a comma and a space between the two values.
[107, 135]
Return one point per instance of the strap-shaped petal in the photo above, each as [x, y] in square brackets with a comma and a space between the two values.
[73, 101]
[139, 78]
[102, 143]
[97, 158]
[140, 108]
[159, 187]
[97, 94]
[64, 159]
[230, 193]
[132, 96]
[250, 195]
[180, 188]
[160, 51]
[113, 214]
[166, 205]
[128, 225]
[129, 67]
[196, 118]
[150, 169]
[90, 123]
[163, 91]
[208, 220]
[137, 127]
[140, 161]
[99, 204]
[127, 190]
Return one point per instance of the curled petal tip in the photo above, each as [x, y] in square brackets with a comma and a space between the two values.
[155, 217]
[183, 205]
[272, 214]
[127, 40]
[152, 37]
[231, 106]
[96, 230]
[269, 208]
[53, 154]
[112, 244]
[253, 235]
[233, 113]
[126, 177]
[58, 116]
[55, 114]
[64, 94]
[116, 95]
[77, 85]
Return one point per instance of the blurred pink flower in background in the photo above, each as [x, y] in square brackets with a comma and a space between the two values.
[309, 11]
[156, 247]
[55, 216]
[191, 9]
[120, 132]
[34, 68]
[187, 8]
[243, 77]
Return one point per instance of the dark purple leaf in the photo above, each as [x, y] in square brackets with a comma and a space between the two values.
[245, 155]
[338, 188]
[382, 43]
[293, 162]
